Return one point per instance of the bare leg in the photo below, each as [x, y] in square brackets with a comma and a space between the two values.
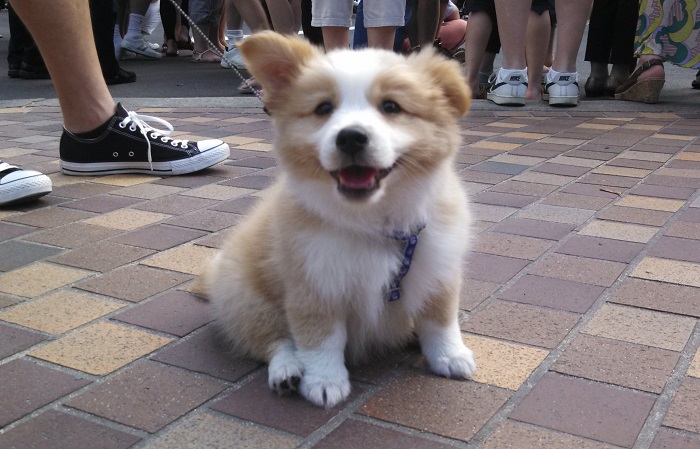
[381, 37]
[512, 30]
[424, 22]
[336, 37]
[283, 16]
[571, 23]
[252, 13]
[538, 28]
[478, 30]
[56, 25]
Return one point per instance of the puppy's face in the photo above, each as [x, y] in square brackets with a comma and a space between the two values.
[359, 122]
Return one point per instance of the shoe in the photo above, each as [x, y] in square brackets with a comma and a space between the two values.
[233, 58]
[645, 90]
[129, 145]
[508, 87]
[611, 85]
[121, 77]
[18, 186]
[562, 88]
[141, 47]
[33, 72]
[595, 87]
[696, 82]
[13, 69]
[202, 56]
[250, 86]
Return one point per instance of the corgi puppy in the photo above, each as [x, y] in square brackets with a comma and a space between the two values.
[360, 243]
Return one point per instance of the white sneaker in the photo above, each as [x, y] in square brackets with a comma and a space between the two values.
[17, 185]
[141, 47]
[562, 88]
[233, 58]
[508, 87]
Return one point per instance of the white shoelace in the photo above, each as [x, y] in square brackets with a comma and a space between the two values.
[138, 121]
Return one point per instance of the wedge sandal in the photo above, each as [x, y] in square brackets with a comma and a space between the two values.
[645, 90]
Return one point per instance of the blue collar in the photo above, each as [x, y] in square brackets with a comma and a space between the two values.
[411, 239]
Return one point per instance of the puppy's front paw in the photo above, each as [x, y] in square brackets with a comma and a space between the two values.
[457, 363]
[284, 373]
[325, 391]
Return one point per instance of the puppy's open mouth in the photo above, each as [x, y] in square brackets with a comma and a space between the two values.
[358, 182]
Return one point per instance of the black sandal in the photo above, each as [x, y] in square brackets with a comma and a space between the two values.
[645, 90]
[696, 82]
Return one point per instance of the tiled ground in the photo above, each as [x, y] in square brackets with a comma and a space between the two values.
[581, 301]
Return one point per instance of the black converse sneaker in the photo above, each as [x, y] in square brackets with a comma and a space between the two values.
[17, 185]
[129, 145]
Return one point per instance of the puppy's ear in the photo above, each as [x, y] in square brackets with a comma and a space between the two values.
[447, 76]
[275, 60]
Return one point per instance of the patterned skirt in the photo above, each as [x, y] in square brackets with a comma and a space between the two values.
[671, 29]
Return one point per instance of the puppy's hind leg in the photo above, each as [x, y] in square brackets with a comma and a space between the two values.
[285, 370]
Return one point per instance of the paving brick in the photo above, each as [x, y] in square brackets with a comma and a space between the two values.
[206, 220]
[101, 256]
[205, 430]
[667, 439]
[587, 409]
[39, 278]
[684, 411]
[561, 169]
[515, 435]
[688, 230]
[28, 386]
[353, 434]
[212, 357]
[511, 245]
[674, 193]
[54, 430]
[175, 204]
[491, 213]
[432, 404]
[59, 312]
[644, 327]
[15, 339]
[677, 249]
[694, 368]
[147, 396]
[6, 301]
[504, 199]
[690, 215]
[10, 231]
[615, 362]
[671, 180]
[127, 219]
[659, 296]
[101, 204]
[554, 293]
[579, 269]
[15, 254]
[256, 182]
[647, 202]
[522, 323]
[100, 348]
[177, 313]
[600, 248]
[503, 364]
[492, 268]
[80, 190]
[475, 292]
[609, 180]
[675, 272]
[158, 237]
[534, 228]
[149, 191]
[133, 283]
[191, 259]
[255, 402]
[580, 188]
[50, 217]
[635, 216]
[524, 188]
[557, 214]
[619, 231]
[72, 235]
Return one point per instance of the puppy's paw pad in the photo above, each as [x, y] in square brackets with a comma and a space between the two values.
[284, 376]
[460, 364]
[325, 392]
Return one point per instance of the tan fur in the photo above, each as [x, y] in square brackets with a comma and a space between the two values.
[266, 285]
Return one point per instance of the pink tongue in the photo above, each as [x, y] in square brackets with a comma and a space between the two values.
[357, 177]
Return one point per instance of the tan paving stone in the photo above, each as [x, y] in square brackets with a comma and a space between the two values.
[694, 368]
[514, 435]
[190, 259]
[100, 348]
[525, 135]
[503, 364]
[642, 127]
[673, 137]
[524, 188]
[672, 271]
[619, 231]
[680, 172]
[218, 192]
[597, 126]
[148, 191]
[579, 269]
[576, 161]
[635, 215]
[577, 201]
[557, 214]
[59, 312]
[563, 141]
[470, 132]
[243, 120]
[239, 140]
[127, 219]
[515, 159]
[506, 124]
[688, 156]
[496, 146]
[39, 278]
[256, 146]
[543, 178]
[205, 430]
[646, 202]
[644, 327]
[645, 156]
[511, 245]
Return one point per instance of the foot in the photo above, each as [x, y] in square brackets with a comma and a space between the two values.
[285, 370]
[508, 87]
[207, 55]
[140, 46]
[129, 145]
[655, 71]
[18, 186]
[121, 77]
[233, 58]
[562, 88]
[444, 350]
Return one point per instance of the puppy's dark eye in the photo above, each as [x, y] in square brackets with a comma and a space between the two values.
[324, 108]
[390, 107]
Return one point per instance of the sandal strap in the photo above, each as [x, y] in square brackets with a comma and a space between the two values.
[632, 80]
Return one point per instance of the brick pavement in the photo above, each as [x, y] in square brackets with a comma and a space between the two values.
[581, 301]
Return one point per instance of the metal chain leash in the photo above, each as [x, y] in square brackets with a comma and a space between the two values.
[215, 49]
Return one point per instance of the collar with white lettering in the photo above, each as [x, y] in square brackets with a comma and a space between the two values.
[411, 239]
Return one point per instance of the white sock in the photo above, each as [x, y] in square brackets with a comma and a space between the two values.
[152, 18]
[234, 36]
[135, 24]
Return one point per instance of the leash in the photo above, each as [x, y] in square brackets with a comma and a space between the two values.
[215, 50]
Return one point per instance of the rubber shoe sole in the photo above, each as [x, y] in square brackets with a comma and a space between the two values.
[24, 189]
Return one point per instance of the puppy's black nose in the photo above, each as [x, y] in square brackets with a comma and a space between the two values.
[351, 140]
